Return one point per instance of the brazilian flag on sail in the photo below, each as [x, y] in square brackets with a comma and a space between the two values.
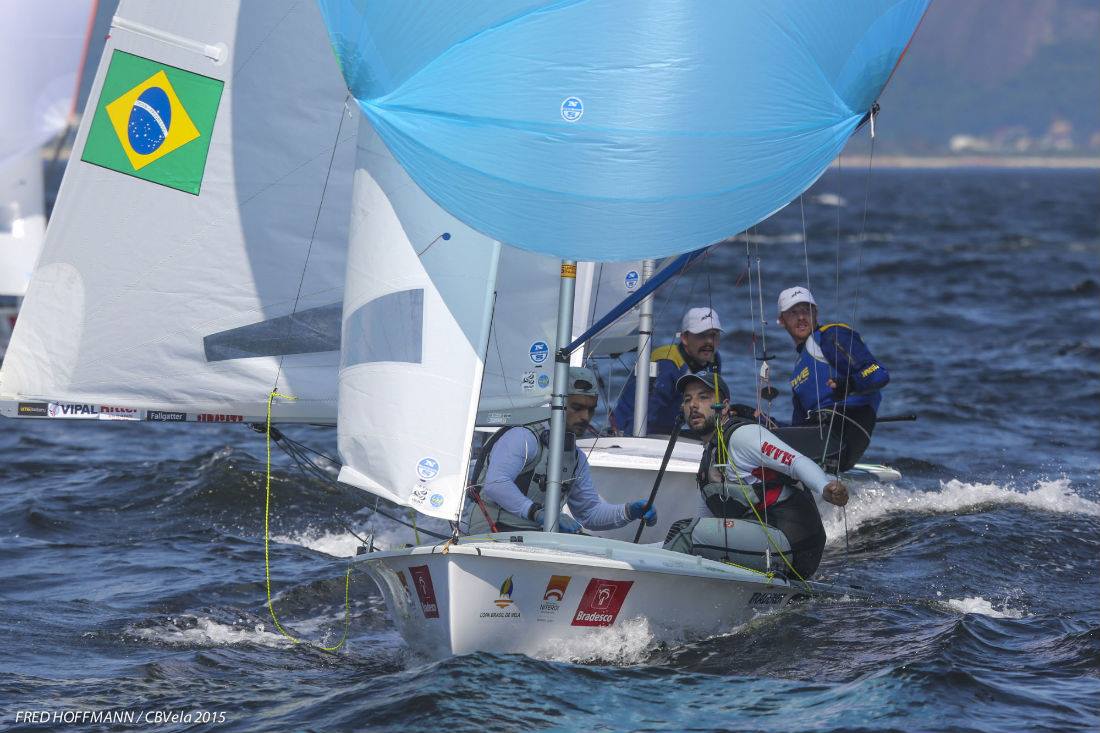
[153, 121]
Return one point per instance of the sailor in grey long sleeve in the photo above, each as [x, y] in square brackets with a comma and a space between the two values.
[511, 481]
[520, 446]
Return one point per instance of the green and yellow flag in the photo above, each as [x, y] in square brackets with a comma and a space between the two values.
[153, 121]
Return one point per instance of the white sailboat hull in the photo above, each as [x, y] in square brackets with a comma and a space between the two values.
[533, 593]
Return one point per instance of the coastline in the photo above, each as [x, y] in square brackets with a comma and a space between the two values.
[968, 161]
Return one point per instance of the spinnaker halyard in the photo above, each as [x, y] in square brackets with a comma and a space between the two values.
[584, 131]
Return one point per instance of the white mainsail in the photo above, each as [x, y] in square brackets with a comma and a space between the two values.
[194, 304]
[416, 320]
[40, 50]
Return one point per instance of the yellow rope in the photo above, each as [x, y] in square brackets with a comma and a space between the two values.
[764, 526]
[267, 554]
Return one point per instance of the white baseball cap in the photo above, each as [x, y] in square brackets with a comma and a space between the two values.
[698, 320]
[791, 297]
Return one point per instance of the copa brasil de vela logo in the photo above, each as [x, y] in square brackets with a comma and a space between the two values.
[153, 121]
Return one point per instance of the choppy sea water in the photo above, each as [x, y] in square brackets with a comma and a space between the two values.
[131, 555]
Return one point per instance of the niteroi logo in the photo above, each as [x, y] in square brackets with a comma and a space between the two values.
[555, 589]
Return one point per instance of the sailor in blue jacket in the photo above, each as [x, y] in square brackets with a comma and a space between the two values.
[700, 333]
[835, 383]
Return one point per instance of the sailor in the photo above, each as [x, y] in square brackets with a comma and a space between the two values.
[700, 333]
[509, 491]
[754, 476]
[836, 382]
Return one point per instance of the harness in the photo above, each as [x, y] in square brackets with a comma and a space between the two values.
[485, 514]
[726, 500]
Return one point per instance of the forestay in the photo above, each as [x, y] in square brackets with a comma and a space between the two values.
[595, 131]
[195, 259]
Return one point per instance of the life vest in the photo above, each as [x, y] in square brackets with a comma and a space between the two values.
[723, 493]
[531, 481]
[812, 372]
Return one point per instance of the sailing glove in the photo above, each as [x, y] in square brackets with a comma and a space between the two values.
[566, 523]
[637, 510]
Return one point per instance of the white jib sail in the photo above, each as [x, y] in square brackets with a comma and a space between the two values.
[182, 304]
[416, 318]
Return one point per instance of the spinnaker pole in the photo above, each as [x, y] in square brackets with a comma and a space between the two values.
[566, 288]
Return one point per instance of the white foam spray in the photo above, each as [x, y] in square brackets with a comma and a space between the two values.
[624, 644]
[875, 501]
[202, 632]
[981, 606]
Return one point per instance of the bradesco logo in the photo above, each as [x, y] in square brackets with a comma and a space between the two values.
[422, 581]
[601, 602]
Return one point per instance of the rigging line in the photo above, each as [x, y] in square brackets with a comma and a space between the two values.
[839, 171]
[309, 468]
[313, 235]
[267, 550]
[669, 289]
[806, 263]
[863, 226]
[763, 378]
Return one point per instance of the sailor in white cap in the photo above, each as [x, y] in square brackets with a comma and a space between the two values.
[700, 334]
[836, 381]
[509, 491]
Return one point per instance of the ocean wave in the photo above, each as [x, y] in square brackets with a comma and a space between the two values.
[200, 631]
[874, 502]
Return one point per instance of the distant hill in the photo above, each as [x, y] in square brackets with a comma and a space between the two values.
[998, 76]
[994, 76]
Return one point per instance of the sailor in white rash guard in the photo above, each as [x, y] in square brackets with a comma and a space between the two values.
[761, 474]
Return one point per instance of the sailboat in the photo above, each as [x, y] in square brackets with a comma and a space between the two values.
[579, 131]
[254, 227]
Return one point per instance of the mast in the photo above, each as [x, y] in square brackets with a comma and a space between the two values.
[566, 288]
[645, 346]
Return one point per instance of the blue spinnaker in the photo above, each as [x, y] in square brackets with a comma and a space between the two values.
[616, 129]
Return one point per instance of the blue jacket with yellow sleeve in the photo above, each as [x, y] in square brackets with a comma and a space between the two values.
[664, 398]
[835, 351]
